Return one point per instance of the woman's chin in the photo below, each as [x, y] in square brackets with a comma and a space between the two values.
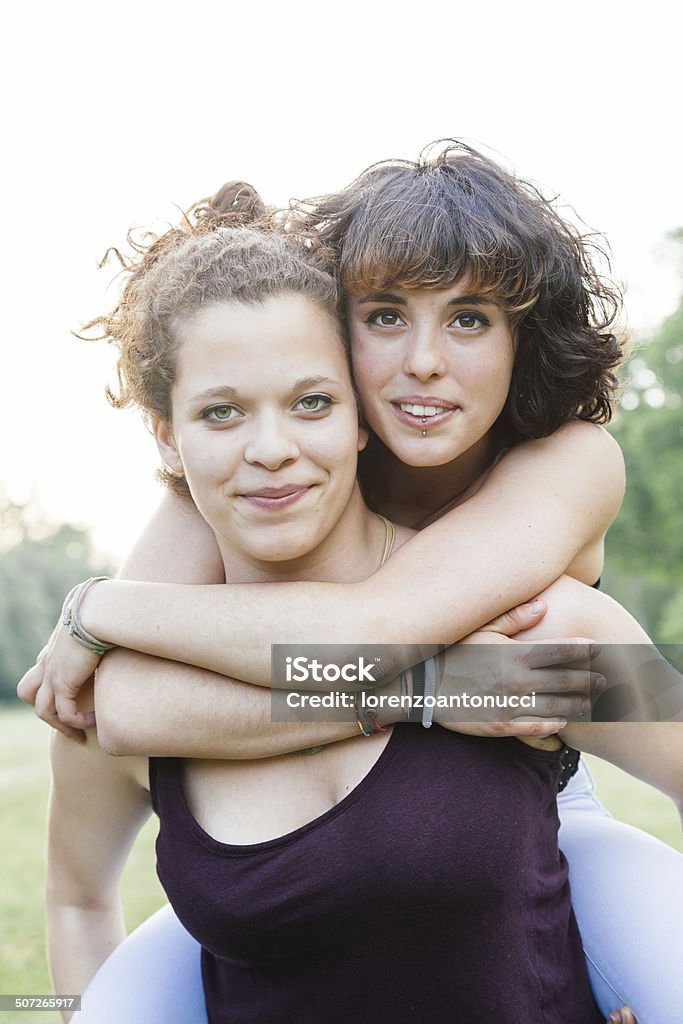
[424, 453]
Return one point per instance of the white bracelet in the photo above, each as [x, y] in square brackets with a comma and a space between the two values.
[430, 691]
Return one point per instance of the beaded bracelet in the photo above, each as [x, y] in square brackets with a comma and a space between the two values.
[71, 618]
[366, 720]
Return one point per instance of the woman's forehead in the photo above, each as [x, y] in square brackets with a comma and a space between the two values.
[277, 341]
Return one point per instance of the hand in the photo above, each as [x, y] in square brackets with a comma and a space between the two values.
[623, 1016]
[487, 664]
[52, 686]
[522, 617]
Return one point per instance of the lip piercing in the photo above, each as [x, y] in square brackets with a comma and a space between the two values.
[424, 432]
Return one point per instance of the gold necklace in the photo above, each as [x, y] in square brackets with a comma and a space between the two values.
[389, 541]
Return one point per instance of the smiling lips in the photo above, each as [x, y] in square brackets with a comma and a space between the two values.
[422, 412]
[275, 498]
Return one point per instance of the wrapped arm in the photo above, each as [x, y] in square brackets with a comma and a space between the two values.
[151, 706]
[542, 508]
[651, 751]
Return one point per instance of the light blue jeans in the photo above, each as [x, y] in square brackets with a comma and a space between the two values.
[627, 891]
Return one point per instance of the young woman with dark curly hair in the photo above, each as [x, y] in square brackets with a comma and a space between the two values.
[463, 282]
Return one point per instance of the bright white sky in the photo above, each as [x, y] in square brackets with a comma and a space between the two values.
[117, 112]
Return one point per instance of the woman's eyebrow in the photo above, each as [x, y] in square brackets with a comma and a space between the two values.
[312, 382]
[217, 392]
[382, 297]
[458, 300]
[225, 391]
[473, 300]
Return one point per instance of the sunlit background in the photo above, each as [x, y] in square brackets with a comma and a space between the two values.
[117, 113]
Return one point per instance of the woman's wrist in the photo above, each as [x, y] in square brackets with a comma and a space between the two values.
[385, 702]
[95, 610]
[71, 617]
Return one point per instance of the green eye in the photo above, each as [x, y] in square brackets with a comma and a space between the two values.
[314, 403]
[220, 413]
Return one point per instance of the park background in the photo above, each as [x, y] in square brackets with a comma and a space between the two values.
[120, 114]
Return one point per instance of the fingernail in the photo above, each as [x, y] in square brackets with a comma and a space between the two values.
[585, 707]
[600, 683]
[615, 1016]
[536, 606]
[595, 650]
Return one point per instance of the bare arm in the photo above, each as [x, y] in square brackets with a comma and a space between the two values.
[97, 806]
[161, 708]
[474, 563]
[652, 751]
[151, 706]
[140, 702]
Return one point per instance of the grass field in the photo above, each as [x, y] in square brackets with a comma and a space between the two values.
[23, 803]
[23, 800]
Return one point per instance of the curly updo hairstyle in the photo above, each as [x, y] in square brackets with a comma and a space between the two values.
[457, 215]
[225, 249]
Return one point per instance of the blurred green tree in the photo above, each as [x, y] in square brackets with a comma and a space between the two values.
[39, 563]
[644, 568]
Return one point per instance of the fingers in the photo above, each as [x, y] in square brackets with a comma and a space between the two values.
[524, 616]
[622, 1016]
[68, 713]
[518, 727]
[569, 707]
[30, 684]
[528, 725]
[563, 680]
[559, 651]
[47, 712]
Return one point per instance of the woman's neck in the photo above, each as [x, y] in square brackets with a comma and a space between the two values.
[351, 551]
[411, 495]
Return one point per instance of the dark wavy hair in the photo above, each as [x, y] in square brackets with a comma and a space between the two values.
[455, 214]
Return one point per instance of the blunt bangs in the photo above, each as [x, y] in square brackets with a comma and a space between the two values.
[429, 230]
[454, 215]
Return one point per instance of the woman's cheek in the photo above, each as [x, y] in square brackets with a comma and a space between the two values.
[367, 375]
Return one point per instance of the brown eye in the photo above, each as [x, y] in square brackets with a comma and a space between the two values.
[386, 318]
[469, 321]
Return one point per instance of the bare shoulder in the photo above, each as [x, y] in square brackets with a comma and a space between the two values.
[581, 459]
[587, 439]
[577, 439]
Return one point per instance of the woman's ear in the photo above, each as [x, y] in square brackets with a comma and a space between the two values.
[163, 435]
[363, 436]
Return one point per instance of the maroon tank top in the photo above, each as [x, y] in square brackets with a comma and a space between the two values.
[434, 892]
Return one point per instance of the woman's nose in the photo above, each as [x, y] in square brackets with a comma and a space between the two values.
[271, 443]
[424, 356]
